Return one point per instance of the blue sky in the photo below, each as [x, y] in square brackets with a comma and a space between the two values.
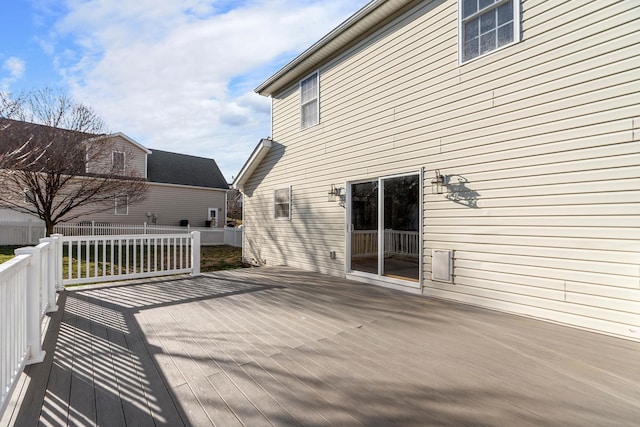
[175, 75]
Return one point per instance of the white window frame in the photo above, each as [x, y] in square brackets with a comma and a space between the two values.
[517, 28]
[117, 197]
[315, 100]
[113, 161]
[275, 203]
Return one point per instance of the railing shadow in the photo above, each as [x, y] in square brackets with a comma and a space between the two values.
[99, 367]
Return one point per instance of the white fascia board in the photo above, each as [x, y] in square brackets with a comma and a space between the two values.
[319, 53]
[252, 163]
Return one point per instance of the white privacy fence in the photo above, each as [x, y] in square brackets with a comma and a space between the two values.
[365, 243]
[91, 259]
[28, 285]
[29, 232]
[21, 232]
[93, 228]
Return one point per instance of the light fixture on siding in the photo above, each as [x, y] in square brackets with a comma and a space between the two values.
[437, 182]
[335, 193]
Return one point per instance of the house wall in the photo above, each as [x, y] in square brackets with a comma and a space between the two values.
[171, 203]
[101, 160]
[539, 139]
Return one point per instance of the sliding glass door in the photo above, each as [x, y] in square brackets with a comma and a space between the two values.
[384, 230]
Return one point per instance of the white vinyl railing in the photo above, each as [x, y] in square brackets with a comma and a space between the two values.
[28, 285]
[365, 243]
[29, 281]
[401, 243]
[92, 259]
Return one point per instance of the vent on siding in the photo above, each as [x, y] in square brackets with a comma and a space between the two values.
[441, 265]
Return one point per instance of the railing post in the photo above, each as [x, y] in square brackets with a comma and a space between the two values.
[50, 279]
[36, 354]
[195, 253]
[58, 245]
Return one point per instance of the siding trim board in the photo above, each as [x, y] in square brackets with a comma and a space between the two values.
[538, 141]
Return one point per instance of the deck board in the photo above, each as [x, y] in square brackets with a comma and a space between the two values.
[278, 346]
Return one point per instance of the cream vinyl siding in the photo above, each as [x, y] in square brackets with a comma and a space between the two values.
[171, 203]
[540, 141]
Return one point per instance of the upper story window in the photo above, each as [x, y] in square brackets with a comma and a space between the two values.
[282, 203]
[117, 161]
[487, 25]
[309, 101]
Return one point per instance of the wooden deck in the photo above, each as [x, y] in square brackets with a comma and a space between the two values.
[276, 346]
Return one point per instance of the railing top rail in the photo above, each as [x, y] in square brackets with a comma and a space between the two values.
[43, 245]
[14, 263]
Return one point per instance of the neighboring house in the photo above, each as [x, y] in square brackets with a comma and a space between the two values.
[479, 151]
[181, 188]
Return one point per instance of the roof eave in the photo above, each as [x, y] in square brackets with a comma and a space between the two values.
[319, 53]
[252, 163]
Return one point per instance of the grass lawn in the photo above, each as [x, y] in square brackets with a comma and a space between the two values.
[6, 253]
[212, 258]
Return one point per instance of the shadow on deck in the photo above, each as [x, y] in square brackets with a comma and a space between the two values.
[276, 346]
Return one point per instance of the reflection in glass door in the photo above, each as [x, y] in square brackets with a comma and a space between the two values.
[364, 227]
[401, 237]
[384, 233]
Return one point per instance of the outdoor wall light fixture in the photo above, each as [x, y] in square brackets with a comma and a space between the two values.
[335, 193]
[437, 182]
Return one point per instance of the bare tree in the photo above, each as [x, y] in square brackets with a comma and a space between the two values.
[55, 159]
[234, 205]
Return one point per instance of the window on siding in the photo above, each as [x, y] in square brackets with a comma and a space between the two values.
[309, 101]
[282, 203]
[29, 196]
[122, 204]
[117, 161]
[487, 25]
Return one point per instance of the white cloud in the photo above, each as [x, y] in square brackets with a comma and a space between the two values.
[16, 68]
[179, 75]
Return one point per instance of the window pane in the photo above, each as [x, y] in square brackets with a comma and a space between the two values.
[486, 3]
[282, 196]
[469, 7]
[309, 114]
[487, 22]
[505, 35]
[491, 26]
[121, 204]
[471, 49]
[487, 42]
[118, 161]
[505, 13]
[308, 88]
[472, 29]
[282, 210]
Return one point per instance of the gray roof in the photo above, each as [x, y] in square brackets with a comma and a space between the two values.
[182, 169]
